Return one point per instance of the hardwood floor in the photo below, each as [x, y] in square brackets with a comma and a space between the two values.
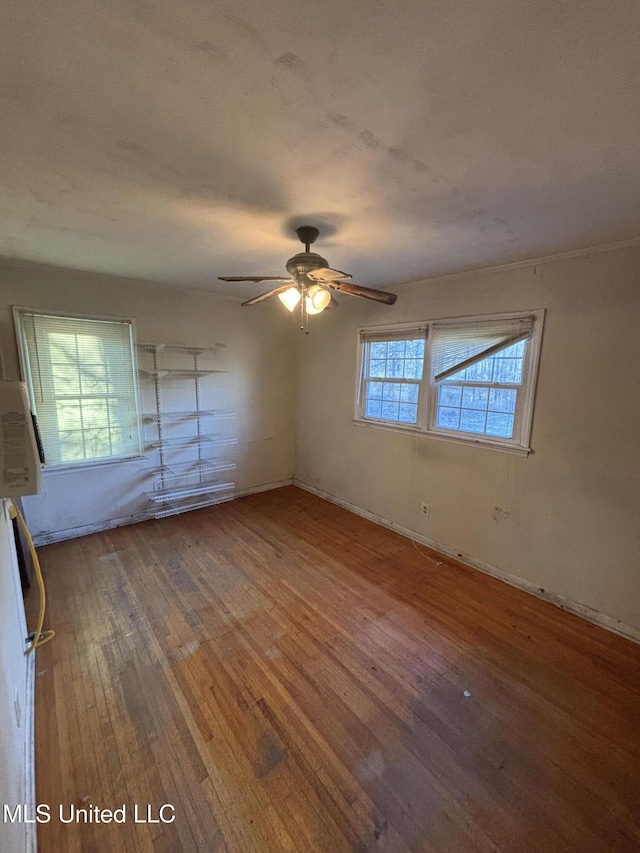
[291, 677]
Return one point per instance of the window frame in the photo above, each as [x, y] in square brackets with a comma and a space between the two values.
[428, 388]
[404, 331]
[19, 311]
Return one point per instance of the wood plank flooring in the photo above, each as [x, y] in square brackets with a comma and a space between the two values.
[291, 677]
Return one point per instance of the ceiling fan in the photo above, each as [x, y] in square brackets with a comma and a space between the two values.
[311, 282]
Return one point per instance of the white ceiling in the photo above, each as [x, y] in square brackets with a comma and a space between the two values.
[178, 141]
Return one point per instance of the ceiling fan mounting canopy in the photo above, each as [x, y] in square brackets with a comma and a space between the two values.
[307, 234]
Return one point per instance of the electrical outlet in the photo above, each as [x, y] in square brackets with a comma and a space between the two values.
[425, 510]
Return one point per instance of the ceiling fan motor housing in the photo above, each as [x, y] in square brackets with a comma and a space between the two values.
[305, 262]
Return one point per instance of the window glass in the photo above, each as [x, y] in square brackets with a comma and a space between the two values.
[482, 398]
[83, 387]
[393, 370]
[471, 378]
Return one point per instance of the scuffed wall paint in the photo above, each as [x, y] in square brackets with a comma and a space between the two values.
[258, 387]
[563, 519]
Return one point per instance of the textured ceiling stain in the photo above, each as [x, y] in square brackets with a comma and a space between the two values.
[373, 142]
[294, 63]
[369, 139]
[340, 120]
[214, 50]
[177, 142]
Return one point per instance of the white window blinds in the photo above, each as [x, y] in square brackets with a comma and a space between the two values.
[81, 373]
[405, 334]
[456, 346]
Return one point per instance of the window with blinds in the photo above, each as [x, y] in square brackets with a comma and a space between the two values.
[479, 377]
[468, 378]
[392, 366]
[80, 372]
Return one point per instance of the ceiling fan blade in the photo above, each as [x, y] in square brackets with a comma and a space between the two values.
[327, 274]
[268, 294]
[367, 292]
[256, 278]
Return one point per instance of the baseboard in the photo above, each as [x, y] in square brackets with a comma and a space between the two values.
[111, 523]
[265, 487]
[86, 529]
[31, 839]
[588, 613]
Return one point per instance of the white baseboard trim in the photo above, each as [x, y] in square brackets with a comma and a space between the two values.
[86, 529]
[31, 840]
[588, 613]
[111, 523]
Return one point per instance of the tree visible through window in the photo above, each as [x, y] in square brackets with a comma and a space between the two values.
[81, 377]
[471, 378]
[393, 373]
[482, 398]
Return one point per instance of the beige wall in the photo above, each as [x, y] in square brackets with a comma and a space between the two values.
[259, 386]
[569, 512]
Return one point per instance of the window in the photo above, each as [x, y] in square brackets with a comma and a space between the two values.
[470, 378]
[81, 378]
[393, 367]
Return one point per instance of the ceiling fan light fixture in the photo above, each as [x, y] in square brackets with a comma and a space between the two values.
[290, 298]
[311, 309]
[312, 282]
[319, 298]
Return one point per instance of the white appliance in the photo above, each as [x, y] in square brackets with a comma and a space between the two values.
[20, 472]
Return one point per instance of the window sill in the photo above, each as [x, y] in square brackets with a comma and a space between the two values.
[454, 439]
[69, 467]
